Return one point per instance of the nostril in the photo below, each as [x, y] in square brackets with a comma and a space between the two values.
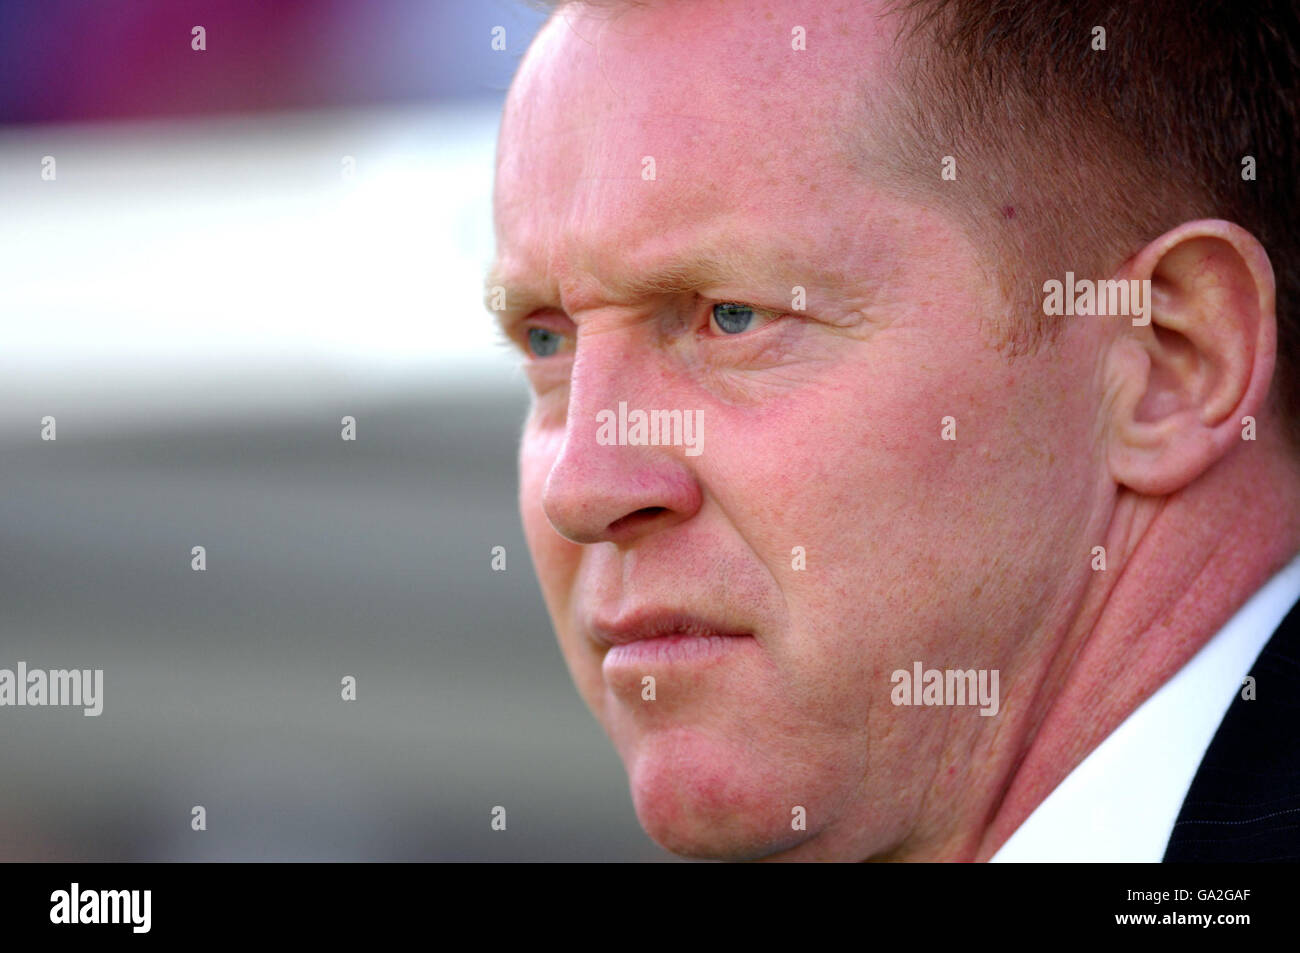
[643, 515]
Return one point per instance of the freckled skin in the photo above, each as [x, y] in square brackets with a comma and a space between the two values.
[823, 431]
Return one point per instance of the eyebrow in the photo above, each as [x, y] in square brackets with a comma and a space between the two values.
[687, 273]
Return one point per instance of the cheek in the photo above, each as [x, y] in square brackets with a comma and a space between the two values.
[557, 562]
[901, 532]
[802, 485]
[554, 558]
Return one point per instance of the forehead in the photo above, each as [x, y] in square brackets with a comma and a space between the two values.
[635, 134]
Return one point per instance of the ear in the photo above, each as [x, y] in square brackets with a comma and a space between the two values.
[1179, 386]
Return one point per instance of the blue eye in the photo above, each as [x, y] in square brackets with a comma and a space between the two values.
[542, 343]
[733, 318]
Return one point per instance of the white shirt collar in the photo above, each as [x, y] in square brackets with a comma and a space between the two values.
[1121, 802]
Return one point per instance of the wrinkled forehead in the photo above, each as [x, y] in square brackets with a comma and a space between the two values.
[693, 107]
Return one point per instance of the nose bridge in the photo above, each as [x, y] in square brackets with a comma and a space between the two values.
[611, 364]
[600, 489]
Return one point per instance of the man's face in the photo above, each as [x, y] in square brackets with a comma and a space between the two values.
[822, 434]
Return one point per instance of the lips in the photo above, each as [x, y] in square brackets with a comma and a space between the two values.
[659, 624]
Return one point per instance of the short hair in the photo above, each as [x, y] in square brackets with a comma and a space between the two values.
[1083, 129]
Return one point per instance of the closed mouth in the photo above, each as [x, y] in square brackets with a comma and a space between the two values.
[647, 625]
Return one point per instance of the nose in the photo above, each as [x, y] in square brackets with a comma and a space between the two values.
[598, 491]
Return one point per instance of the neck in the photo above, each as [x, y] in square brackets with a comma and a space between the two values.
[1178, 568]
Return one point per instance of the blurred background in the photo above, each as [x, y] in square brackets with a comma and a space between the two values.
[207, 259]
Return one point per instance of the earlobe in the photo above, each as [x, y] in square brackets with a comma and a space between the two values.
[1179, 386]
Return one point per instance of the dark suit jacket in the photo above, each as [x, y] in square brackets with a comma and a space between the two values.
[1244, 802]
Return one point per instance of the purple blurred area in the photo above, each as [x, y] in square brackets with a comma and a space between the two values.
[78, 60]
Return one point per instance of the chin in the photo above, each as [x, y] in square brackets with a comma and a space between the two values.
[701, 798]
